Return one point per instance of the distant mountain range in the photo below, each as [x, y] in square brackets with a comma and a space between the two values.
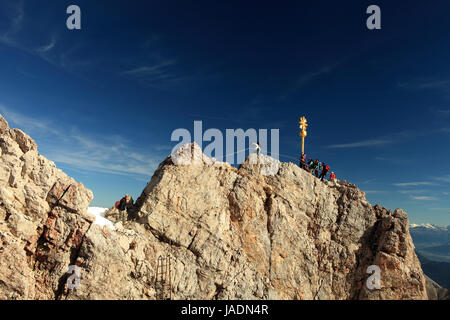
[435, 291]
[433, 250]
[438, 271]
[431, 241]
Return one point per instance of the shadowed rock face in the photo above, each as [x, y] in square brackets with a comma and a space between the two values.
[232, 234]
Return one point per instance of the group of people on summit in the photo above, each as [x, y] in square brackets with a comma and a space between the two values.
[317, 168]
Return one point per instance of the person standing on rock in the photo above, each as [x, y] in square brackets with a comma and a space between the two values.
[332, 177]
[125, 204]
[303, 161]
[316, 166]
[257, 147]
[325, 169]
[122, 210]
[310, 165]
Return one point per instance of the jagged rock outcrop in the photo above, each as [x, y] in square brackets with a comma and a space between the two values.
[281, 236]
[42, 219]
[232, 234]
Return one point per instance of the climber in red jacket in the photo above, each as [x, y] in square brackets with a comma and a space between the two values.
[325, 169]
[332, 176]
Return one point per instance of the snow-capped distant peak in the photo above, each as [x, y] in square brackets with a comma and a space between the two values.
[428, 226]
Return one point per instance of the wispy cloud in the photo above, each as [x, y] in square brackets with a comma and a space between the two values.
[368, 181]
[154, 70]
[113, 162]
[306, 78]
[106, 154]
[161, 74]
[26, 73]
[426, 84]
[413, 191]
[394, 160]
[17, 20]
[47, 47]
[396, 137]
[414, 184]
[423, 198]
[445, 112]
[432, 85]
[444, 178]
[162, 147]
[26, 123]
[151, 40]
[363, 143]
[15, 11]
[11, 37]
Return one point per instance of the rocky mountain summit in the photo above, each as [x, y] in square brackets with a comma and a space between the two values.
[230, 233]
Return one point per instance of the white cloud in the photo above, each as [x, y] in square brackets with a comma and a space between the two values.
[163, 147]
[364, 143]
[427, 84]
[154, 70]
[26, 123]
[445, 178]
[304, 79]
[393, 160]
[423, 198]
[105, 163]
[47, 47]
[414, 184]
[159, 75]
[412, 191]
[95, 153]
[396, 137]
[14, 10]
[11, 38]
[444, 111]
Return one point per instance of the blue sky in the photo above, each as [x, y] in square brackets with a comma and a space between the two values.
[103, 101]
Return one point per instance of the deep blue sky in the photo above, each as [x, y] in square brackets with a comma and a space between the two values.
[103, 101]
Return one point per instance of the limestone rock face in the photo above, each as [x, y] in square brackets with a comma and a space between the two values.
[240, 234]
[42, 219]
[231, 233]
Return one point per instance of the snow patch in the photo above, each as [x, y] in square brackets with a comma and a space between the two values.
[100, 219]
